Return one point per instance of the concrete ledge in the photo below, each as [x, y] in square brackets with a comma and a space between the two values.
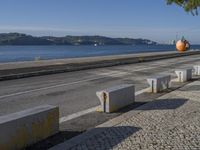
[115, 98]
[184, 74]
[17, 70]
[21, 129]
[159, 83]
[197, 70]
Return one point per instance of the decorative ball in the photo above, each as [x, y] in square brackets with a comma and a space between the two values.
[181, 46]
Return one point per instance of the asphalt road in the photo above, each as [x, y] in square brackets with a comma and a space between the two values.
[75, 91]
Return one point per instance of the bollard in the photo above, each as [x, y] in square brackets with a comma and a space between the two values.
[197, 70]
[159, 83]
[21, 129]
[115, 98]
[184, 74]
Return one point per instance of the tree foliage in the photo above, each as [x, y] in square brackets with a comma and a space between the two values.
[188, 5]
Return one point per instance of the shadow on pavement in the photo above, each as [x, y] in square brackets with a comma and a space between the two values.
[105, 138]
[53, 140]
[163, 104]
[110, 136]
[191, 88]
[130, 107]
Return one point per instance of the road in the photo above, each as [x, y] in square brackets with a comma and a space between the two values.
[76, 91]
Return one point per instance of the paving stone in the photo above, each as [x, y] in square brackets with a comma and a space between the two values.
[170, 122]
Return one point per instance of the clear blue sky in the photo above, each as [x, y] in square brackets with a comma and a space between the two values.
[151, 19]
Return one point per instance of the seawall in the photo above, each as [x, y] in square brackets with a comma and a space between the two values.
[16, 70]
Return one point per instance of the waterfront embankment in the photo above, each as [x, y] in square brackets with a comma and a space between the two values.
[15, 70]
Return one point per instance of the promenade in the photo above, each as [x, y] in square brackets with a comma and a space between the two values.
[75, 95]
[170, 122]
[16, 70]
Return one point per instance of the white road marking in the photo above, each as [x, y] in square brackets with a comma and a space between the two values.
[66, 84]
[84, 112]
[92, 109]
[77, 114]
[54, 86]
[76, 82]
[141, 91]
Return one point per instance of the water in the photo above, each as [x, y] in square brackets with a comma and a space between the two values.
[30, 53]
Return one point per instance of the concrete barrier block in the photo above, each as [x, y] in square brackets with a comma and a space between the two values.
[184, 74]
[115, 98]
[21, 129]
[159, 83]
[197, 70]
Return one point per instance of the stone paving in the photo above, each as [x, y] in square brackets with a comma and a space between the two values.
[170, 122]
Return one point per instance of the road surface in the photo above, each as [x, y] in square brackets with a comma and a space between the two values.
[75, 91]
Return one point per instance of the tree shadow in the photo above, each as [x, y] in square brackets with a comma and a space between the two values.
[163, 104]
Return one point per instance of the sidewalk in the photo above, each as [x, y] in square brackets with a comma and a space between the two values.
[170, 122]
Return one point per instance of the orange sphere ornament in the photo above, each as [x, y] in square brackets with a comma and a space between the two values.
[181, 46]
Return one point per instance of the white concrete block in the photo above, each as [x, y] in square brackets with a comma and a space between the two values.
[159, 83]
[197, 70]
[27, 127]
[184, 74]
[115, 98]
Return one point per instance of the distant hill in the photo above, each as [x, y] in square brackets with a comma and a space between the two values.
[23, 39]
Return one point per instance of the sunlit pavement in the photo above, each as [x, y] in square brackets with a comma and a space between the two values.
[170, 122]
[76, 91]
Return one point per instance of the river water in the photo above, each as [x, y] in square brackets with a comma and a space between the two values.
[30, 53]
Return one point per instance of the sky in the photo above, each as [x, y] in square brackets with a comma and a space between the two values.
[150, 19]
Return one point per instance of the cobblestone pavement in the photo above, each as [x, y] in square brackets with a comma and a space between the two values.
[171, 122]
